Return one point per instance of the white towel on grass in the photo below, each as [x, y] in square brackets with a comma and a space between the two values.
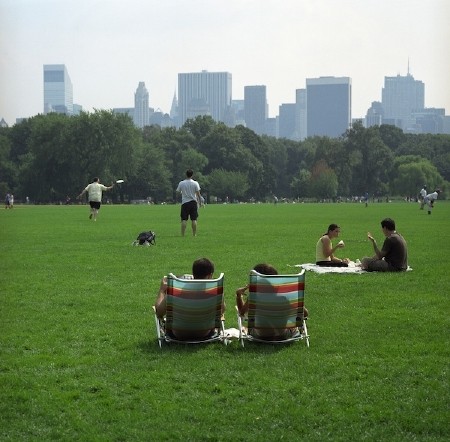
[352, 268]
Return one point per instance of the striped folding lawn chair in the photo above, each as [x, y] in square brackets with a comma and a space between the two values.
[193, 310]
[275, 309]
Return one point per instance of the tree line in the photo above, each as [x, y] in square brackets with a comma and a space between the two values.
[48, 158]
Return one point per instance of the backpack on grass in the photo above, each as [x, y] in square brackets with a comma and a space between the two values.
[145, 239]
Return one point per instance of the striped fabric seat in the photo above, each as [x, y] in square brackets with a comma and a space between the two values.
[275, 307]
[193, 306]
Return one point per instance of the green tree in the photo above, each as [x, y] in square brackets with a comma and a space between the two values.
[223, 183]
[224, 149]
[323, 181]
[8, 170]
[300, 184]
[411, 172]
[200, 126]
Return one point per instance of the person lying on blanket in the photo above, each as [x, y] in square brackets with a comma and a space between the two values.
[276, 333]
[325, 250]
[202, 268]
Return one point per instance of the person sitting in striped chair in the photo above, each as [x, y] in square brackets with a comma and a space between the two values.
[243, 307]
[202, 268]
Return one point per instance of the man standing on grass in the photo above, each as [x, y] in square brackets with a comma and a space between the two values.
[423, 194]
[95, 190]
[190, 200]
[393, 257]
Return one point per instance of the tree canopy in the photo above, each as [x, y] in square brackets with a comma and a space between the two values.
[50, 157]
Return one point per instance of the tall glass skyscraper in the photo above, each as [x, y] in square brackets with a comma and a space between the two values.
[400, 97]
[329, 106]
[204, 93]
[58, 91]
[141, 109]
[255, 108]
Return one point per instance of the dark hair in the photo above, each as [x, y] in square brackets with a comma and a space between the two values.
[95, 179]
[189, 173]
[330, 228]
[388, 223]
[202, 268]
[265, 269]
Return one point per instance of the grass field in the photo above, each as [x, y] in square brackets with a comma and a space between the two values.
[80, 361]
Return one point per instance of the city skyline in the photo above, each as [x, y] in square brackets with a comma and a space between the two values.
[109, 48]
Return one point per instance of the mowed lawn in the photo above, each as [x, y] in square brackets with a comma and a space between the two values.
[79, 358]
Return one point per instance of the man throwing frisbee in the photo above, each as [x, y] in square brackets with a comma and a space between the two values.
[190, 200]
[95, 191]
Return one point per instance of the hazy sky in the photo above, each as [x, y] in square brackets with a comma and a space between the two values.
[108, 46]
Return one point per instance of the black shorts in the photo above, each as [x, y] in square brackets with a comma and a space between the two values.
[95, 204]
[189, 209]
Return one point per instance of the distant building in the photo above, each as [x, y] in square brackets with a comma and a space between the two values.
[77, 109]
[141, 116]
[174, 109]
[400, 97]
[329, 106]
[286, 121]
[446, 125]
[300, 114]
[124, 110]
[3, 123]
[238, 109]
[204, 93]
[271, 128]
[161, 119]
[375, 115]
[428, 120]
[255, 108]
[58, 90]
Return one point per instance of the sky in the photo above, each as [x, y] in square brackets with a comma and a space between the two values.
[109, 46]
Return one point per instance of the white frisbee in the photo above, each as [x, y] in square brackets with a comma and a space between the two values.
[120, 181]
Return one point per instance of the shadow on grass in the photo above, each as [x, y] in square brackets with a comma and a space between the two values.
[234, 347]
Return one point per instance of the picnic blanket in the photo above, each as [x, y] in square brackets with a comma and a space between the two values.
[352, 268]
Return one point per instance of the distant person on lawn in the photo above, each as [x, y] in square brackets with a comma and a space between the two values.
[393, 257]
[430, 199]
[422, 195]
[190, 201]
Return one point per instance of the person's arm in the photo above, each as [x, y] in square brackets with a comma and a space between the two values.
[241, 305]
[199, 198]
[379, 253]
[82, 193]
[160, 304]
[328, 250]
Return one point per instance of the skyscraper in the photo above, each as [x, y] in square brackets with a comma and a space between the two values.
[58, 91]
[286, 121]
[204, 93]
[255, 108]
[329, 106]
[300, 114]
[141, 110]
[400, 97]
